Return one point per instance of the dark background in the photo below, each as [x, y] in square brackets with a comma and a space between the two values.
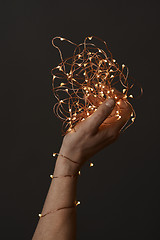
[120, 195]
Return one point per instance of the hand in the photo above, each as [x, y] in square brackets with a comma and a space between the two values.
[95, 132]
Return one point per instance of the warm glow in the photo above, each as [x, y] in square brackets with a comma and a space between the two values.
[82, 77]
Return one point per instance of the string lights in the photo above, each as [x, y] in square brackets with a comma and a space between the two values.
[83, 81]
[76, 203]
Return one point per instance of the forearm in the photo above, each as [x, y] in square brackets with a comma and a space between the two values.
[88, 137]
[60, 225]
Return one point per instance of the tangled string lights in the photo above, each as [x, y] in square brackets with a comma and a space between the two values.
[83, 81]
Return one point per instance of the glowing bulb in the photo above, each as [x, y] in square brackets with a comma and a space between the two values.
[51, 176]
[54, 154]
[40, 215]
[59, 67]
[79, 172]
[95, 67]
[77, 203]
[91, 164]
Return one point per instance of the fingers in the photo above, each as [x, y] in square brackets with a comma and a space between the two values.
[103, 111]
[126, 110]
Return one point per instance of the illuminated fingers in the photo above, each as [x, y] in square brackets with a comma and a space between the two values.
[126, 111]
[103, 111]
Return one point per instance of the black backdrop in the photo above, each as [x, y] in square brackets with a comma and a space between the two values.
[120, 195]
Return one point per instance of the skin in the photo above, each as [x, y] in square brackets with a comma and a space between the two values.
[88, 138]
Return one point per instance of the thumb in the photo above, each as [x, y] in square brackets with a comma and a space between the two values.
[102, 112]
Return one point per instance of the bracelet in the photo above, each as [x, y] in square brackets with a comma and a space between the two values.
[54, 154]
[53, 211]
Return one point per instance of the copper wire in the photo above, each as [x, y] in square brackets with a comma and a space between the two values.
[83, 81]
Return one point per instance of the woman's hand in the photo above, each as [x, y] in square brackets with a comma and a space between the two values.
[96, 132]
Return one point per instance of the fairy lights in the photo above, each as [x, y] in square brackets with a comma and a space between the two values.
[83, 81]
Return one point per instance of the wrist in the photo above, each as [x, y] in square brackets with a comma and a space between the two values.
[64, 167]
[74, 155]
[71, 165]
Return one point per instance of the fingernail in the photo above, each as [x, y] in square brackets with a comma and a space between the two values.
[110, 102]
